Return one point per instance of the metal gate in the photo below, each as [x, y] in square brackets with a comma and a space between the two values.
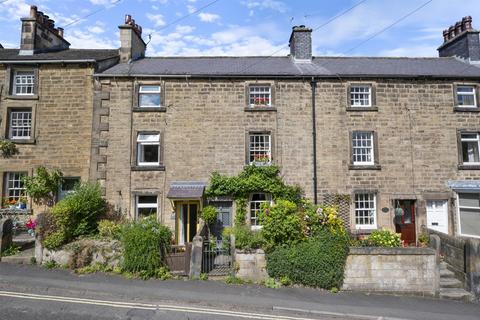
[216, 258]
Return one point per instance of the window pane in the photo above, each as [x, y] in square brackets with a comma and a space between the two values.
[360, 96]
[465, 89]
[260, 95]
[469, 200]
[147, 199]
[149, 153]
[14, 185]
[259, 148]
[68, 184]
[466, 100]
[362, 144]
[149, 88]
[150, 100]
[23, 82]
[470, 151]
[365, 210]
[145, 212]
[470, 221]
[20, 125]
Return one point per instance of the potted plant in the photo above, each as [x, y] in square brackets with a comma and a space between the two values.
[31, 225]
[22, 202]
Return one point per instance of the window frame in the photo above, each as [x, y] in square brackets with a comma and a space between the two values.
[374, 225]
[10, 127]
[459, 229]
[268, 199]
[462, 163]
[249, 151]
[6, 188]
[29, 85]
[370, 95]
[139, 145]
[150, 205]
[158, 92]
[372, 149]
[260, 85]
[473, 93]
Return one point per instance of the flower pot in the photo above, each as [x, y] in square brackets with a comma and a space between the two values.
[23, 206]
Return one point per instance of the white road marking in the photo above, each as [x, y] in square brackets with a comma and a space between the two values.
[338, 314]
[143, 306]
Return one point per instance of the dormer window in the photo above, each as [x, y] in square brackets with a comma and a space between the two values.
[23, 82]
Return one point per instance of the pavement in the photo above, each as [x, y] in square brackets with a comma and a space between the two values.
[33, 292]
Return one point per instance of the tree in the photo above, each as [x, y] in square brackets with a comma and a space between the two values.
[43, 186]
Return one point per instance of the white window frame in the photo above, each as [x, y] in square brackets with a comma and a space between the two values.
[262, 92]
[458, 216]
[28, 79]
[20, 127]
[361, 147]
[355, 96]
[268, 199]
[156, 92]
[477, 139]
[150, 205]
[473, 93]
[15, 177]
[374, 200]
[147, 142]
[253, 150]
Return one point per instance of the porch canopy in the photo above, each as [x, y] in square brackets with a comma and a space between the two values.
[186, 190]
[464, 185]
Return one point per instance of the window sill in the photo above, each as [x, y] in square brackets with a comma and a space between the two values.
[469, 167]
[365, 167]
[148, 168]
[144, 109]
[364, 230]
[259, 109]
[23, 141]
[362, 109]
[26, 97]
[466, 109]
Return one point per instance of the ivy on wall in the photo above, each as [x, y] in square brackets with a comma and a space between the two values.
[252, 179]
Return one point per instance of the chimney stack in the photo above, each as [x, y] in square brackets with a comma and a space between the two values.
[301, 44]
[132, 46]
[39, 34]
[461, 41]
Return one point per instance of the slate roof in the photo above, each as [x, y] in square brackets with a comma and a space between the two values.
[186, 190]
[70, 54]
[284, 66]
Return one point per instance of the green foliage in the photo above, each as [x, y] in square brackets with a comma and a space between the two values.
[109, 229]
[382, 238]
[321, 217]
[11, 251]
[282, 224]
[145, 243]
[8, 148]
[233, 280]
[241, 211]
[245, 238]
[203, 276]
[209, 215]
[76, 215]
[33, 260]
[43, 186]
[271, 283]
[285, 281]
[334, 290]
[317, 262]
[93, 268]
[51, 264]
[424, 239]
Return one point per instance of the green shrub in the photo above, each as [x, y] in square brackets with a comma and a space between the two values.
[11, 251]
[75, 216]
[233, 280]
[42, 187]
[245, 238]
[282, 224]
[209, 215]
[109, 229]
[285, 281]
[382, 238]
[51, 264]
[271, 283]
[317, 262]
[145, 244]
[424, 239]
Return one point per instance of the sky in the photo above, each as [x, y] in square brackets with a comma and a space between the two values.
[250, 27]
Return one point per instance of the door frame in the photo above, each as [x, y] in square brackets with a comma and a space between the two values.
[178, 208]
[414, 209]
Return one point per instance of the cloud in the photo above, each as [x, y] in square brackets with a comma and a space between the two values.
[208, 17]
[266, 4]
[411, 51]
[84, 39]
[157, 19]
[98, 28]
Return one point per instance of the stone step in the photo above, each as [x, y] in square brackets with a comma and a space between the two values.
[456, 294]
[450, 283]
[445, 273]
[24, 257]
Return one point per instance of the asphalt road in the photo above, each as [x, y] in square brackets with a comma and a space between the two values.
[32, 292]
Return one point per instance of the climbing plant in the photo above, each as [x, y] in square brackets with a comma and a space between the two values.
[252, 179]
[8, 148]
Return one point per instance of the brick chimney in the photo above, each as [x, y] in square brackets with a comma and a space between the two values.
[301, 44]
[132, 46]
[40, 35]
[461, 40]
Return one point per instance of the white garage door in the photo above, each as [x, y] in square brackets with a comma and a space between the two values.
[437, 215]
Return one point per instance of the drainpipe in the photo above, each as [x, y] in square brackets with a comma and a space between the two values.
[313, 83]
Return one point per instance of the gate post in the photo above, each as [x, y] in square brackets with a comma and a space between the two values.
[196, 257]
[6, 233]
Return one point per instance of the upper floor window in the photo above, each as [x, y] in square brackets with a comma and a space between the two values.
[361, 95]
[466, 97]
[14, 188]
[148, 149]
[470, 148]
[149, 97]
[365, 210]
[260, 96]
[362, 148]
[23, 83]
[260, 148]
[256, 202]
[20, 124]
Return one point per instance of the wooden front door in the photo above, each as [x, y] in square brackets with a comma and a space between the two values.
[187, 221]
[406, 223]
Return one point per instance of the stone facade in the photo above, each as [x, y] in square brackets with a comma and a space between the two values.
[399, 270]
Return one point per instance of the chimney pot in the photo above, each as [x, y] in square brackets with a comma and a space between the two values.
[33, 11]
[445, 35]
[128, 18]
[451, 32]
[51, 23]
[132, 22]
[468, 23]
[60, 32]
[458, 28]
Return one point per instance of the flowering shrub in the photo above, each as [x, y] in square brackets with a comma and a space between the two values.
[31, 225]
[9, 202]
[382, 238]
[318, 218]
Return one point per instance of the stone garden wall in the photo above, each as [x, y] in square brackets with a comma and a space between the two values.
[392, 270]
[251, 265]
